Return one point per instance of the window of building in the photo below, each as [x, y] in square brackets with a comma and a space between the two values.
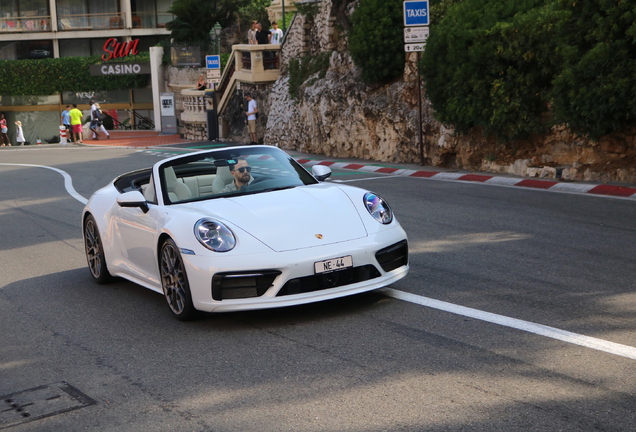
[151, 13]
[24, 15]
[21, 50]
[82, 47]
[86, 14]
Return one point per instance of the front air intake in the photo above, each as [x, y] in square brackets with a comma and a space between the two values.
[239, 285]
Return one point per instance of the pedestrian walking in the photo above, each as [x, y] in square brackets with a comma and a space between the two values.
[3, 131]
[96, 113]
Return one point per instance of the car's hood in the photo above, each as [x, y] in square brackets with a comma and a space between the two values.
[293, 218]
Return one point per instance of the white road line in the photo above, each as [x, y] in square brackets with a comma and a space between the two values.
[68, 181]
[538, 329]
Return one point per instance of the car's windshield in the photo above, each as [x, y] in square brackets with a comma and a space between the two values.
[230, 172]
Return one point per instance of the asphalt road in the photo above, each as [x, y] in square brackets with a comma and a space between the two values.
[561, 265]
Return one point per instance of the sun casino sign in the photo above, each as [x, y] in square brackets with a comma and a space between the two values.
[114, 53]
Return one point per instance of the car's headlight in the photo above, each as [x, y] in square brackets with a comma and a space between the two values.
[378, 208]
[214, 235]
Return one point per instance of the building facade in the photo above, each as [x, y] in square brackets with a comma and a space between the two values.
[36, 29]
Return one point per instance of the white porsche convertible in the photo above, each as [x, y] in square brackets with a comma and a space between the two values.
[241, 228]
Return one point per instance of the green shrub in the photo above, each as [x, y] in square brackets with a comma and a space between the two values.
[485, 67]
[376, 40]
[56, 75]
[514, 68]
[595, 92]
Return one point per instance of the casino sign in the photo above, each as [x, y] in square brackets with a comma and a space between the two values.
[119, 50]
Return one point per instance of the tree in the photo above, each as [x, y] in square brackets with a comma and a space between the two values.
[489, 63]
[514, 68]
[595, 92]
[376, 40]
[195, 18]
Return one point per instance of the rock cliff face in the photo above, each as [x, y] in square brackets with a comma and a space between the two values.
[340, 116]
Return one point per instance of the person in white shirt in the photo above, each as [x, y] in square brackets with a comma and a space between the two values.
[275, 34]
[251, 113]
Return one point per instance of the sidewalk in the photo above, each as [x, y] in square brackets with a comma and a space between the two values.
[133, 138]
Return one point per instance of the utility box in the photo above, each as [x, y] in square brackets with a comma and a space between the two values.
[168, 116]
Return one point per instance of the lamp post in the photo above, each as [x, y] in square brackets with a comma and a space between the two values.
[217, 33]
[283, 16]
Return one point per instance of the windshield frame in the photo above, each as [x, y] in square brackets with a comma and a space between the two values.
[211, 162]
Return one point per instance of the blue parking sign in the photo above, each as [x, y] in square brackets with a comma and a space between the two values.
[416, 13]
[213, 62]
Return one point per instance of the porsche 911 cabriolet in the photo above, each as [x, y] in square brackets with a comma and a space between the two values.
[241, 228]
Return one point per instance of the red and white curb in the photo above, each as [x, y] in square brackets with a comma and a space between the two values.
[551, 185]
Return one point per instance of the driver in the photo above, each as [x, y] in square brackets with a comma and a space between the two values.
[242, 177]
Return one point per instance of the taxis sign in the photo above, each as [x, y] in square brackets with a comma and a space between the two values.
[416, 13]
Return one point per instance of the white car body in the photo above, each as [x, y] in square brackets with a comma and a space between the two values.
[279, 236]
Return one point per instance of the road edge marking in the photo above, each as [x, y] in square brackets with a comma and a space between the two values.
[538, 329]
[68, 180]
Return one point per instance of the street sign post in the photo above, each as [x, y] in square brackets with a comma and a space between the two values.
[213, 62]
[418, 47]
[416, 13]
[416, 34]
[416, 21]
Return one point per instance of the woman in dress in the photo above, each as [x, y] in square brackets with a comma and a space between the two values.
[19, 133]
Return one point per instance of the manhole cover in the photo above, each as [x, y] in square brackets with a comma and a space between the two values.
[40, 402]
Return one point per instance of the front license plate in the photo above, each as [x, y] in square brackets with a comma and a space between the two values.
[333, 264]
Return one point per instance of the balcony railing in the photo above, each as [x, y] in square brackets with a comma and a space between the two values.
[103, 21]
[151, 19]
[26, 24]
[107, 21]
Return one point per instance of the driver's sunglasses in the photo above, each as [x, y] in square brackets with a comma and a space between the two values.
[243, 169]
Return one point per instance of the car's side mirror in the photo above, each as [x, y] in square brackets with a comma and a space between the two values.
[133, 199]
[321, 172]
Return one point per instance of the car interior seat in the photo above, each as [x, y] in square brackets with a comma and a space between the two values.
[177, 190]
[223, 178]
[149, 191]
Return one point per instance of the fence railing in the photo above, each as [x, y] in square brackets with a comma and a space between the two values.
[26, 24]
[103, 21]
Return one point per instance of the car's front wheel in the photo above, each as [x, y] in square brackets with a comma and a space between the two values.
[95, 252]
[174, 281]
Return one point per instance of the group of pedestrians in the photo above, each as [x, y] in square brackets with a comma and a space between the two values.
[72, 121]
[4, 132]
[256, 35]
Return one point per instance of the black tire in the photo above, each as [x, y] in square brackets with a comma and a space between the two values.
[95, 252]
[174, 282]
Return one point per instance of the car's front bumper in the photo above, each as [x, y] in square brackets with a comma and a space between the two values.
[296, 265]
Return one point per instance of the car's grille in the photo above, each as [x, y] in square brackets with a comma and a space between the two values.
[242, 284]
[394, 256]
[329, 280]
